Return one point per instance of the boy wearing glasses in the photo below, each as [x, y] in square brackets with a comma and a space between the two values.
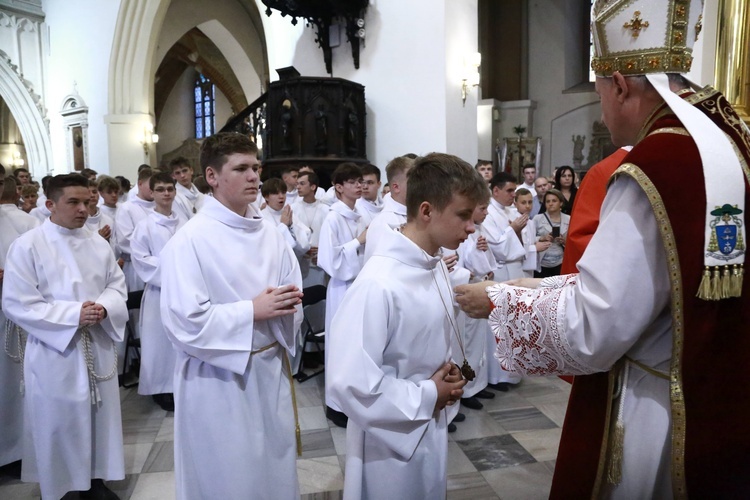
[341, 248]
[149, 237]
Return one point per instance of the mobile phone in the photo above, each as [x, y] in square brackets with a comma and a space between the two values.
[556, 232]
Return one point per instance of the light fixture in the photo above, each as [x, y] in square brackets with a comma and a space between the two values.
[470, 74]
[16, 161]
[148, 138]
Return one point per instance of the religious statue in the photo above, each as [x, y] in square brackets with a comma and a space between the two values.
[351, 133]
[321, 130]
[578, 141]
[286, 126]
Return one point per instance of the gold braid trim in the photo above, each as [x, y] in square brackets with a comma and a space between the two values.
[676, 394]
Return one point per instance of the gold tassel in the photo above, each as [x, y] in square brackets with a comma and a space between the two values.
[614, 473]
[716, 284]
[726, 283]
[740, 276]
[704, 289]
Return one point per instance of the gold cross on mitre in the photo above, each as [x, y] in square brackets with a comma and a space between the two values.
[636, 24]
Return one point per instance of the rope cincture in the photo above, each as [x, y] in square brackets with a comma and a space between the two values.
[21, 336]
[94, 378]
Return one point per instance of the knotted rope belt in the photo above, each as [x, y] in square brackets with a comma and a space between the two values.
[288, 369]
[14, 331]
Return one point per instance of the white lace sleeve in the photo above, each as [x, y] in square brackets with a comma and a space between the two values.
[527, 325]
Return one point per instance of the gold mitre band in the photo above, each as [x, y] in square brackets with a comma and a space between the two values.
[637, 37]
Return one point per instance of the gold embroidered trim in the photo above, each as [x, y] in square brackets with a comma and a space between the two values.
[671, 130]
[677, 397]
[674, 57]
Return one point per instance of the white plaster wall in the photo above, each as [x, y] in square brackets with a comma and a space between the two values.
[403, 68]
[547, 25]
[577, 121]
[80, 41]
[461, 40]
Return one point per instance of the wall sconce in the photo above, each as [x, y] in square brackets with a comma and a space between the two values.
[149, 138]
[16, 161]
[471, 74]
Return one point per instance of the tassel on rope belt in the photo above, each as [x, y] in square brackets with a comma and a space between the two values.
[614, 472]
[288, 368]
[95, 378]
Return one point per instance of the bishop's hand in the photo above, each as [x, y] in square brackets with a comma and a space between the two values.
[473, 299]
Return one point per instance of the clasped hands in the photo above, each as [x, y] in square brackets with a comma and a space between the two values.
[276, 302]
[91, 314]
[449, 383]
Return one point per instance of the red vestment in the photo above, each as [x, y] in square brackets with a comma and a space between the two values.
[584, 218]
[711, 346]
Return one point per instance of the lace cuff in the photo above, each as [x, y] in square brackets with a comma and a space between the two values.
[528, 327]
[558, 281]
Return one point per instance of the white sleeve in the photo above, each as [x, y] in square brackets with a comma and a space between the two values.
[337, 252]
[590, 320]
[503, 242]
[146, 264]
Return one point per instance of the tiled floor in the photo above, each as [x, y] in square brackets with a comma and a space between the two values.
[506, 450]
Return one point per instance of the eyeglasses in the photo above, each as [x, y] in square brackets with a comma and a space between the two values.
[169, 189]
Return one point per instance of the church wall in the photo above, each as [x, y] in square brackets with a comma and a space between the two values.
[403, 68]
[80, 40]
[461, 42]
[558, 115]
[177, 121]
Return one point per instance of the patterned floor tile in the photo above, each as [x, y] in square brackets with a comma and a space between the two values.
[495, 452]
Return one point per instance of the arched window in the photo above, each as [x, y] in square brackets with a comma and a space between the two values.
[204, 107]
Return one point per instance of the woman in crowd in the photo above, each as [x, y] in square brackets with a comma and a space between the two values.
[564, 182]
[552, 226]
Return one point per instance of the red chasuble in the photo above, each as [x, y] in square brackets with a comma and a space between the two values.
[584, 219]
[709, 376]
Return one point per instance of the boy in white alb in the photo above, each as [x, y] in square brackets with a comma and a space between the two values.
[13, 223]
[394, 203]
[151, 234]
[98, 222]
[129, 214]
[499, 229]
[524, 203]
[188, 200]
[501, 226]
[280, 214]
[311, 212]
[64, 288]
[369, 204]
[289, 175]
[342, 241]
[394, 374]
[109, 192]
[230, 287]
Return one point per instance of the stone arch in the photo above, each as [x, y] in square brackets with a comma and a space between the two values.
[20, 98]
[131, 77]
